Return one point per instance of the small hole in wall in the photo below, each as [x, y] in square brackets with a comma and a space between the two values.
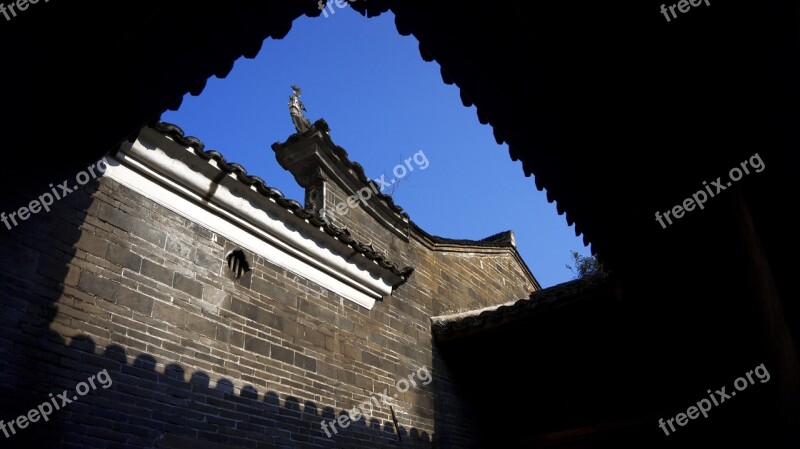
[237, 263]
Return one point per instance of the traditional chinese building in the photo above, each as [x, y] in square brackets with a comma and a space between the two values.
[230, 316]
[616, 113]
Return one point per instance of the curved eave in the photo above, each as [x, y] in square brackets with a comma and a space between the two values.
[203, 187]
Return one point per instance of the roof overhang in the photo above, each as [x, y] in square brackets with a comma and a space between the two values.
[251, 215]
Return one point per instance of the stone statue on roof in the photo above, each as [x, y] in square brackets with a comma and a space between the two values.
[296, 108]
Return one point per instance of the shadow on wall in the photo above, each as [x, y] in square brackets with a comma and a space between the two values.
[142, 407]
[145, 408]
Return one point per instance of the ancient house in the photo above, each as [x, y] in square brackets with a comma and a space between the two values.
[615, 112]
[227, 315]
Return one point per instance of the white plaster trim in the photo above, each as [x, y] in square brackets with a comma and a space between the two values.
[230, 208]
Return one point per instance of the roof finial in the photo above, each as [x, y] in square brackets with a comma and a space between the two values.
[296, 108]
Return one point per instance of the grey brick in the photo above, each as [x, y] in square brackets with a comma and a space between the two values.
[305, 362]
[179, 248]
[223, 333]
[168, 313]
[316, 337]
[187, 285]
[148, 233]
[116, 217]
[256, 345]
[124, 257]
[270, 319]
[214, 296]
[364, 382]
[236, 339]
[157, 272]
[92, 244]
[282, 354]
[245, 309]
[262, 286]
[102, 287]
[201, 325]
[208, 261]
[134, 301]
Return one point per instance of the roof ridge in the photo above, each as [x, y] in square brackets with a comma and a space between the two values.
[315, 219]
[322, 126]
[493, 241]
[503, 239]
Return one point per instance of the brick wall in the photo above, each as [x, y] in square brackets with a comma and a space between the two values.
[360, 223]
[111, 280]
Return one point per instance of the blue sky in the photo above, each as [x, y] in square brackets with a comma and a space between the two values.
[383, 104]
